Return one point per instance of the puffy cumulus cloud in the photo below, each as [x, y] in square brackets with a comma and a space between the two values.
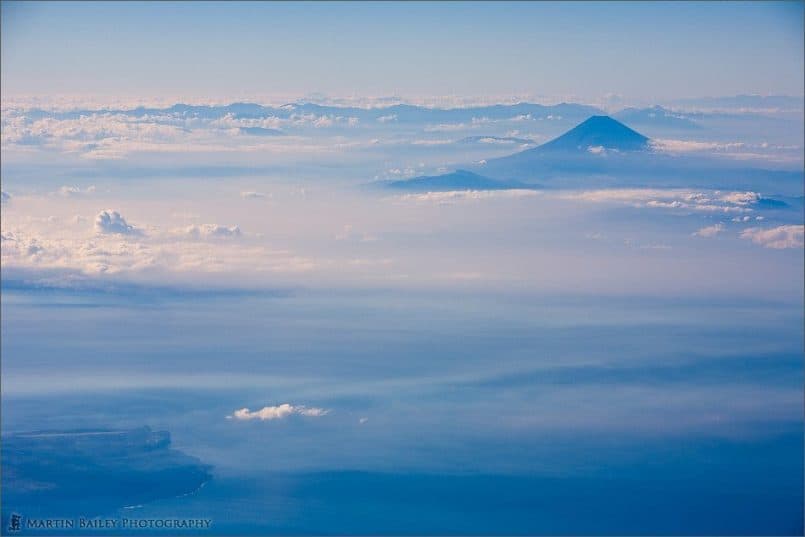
[210, 231]
[21, 245]
[455, 196]
[781, 237]
[103, 254]
[110, 221]
[277, 412]
[689, 200]
[709, 231]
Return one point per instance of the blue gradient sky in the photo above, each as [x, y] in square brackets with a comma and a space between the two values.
[645, 51]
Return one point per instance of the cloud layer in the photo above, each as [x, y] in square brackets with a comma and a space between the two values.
[778, 238]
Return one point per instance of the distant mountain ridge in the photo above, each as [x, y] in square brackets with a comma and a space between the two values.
[400, 113]
[457, 180]
[659, 117]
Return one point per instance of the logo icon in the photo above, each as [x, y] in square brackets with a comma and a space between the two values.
[15, 522]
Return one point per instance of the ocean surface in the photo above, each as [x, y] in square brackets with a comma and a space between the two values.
[442, 412]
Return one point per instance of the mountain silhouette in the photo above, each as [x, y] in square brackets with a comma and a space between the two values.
[594, 133]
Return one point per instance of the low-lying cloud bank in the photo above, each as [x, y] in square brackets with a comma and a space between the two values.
[691, 200]
[111, 244]
[778, 238]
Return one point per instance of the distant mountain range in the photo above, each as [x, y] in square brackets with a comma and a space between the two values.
[600, 152]
[399, 113]
[657, 117]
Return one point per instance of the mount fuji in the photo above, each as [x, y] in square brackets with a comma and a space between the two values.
[602, 152]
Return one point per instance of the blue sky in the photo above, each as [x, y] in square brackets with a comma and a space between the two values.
[646, 51]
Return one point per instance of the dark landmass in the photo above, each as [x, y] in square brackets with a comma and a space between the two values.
[91, 472]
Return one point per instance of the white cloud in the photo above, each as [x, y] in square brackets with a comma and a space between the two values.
[733, 150]
[230, 122]
[110, 221]
[388, 118]
[687, 146]
[781, 237]
[36, 247]
[690, 200]
[250, 195]
[278, 412]
[710, 231]
[210, 231]
[740, 198]
[68, 191]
